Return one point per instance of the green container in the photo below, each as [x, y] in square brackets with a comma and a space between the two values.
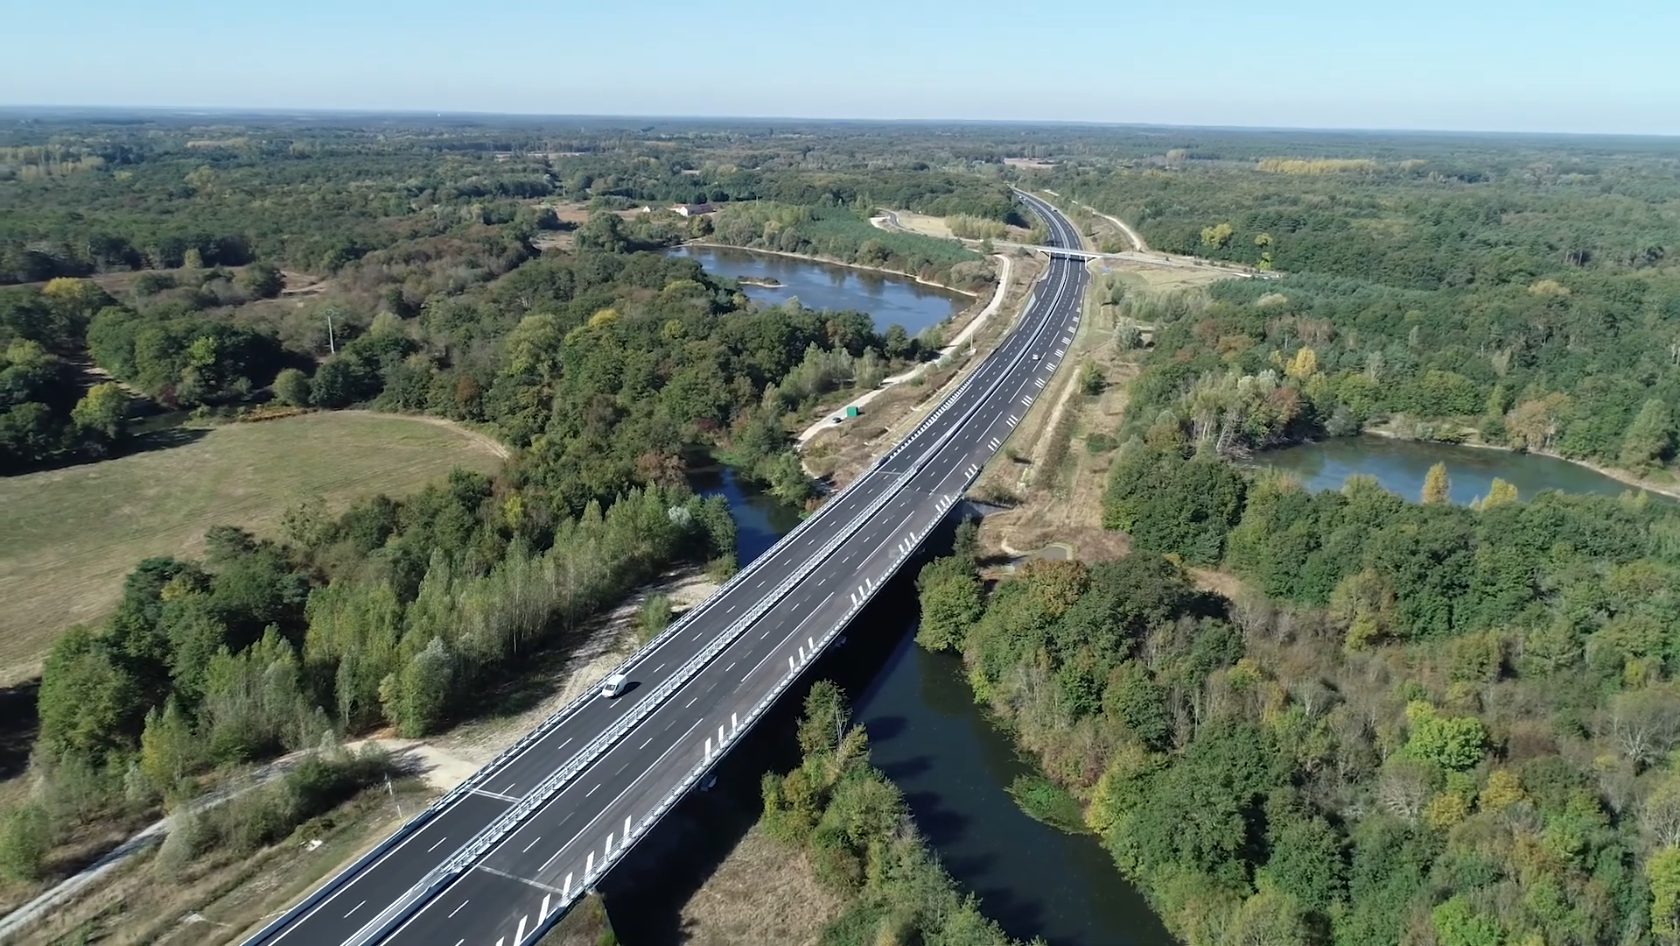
[851, 410]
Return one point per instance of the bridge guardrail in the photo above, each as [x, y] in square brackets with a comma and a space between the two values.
[536, 734]
[570, 895]
[479, 844]
[420, 892]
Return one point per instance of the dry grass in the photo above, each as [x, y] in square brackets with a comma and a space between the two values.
[220, 897]
[1160, 278]
[937, 227]
[923, 224]
[585, 925]
[72, 534]
[760, 894]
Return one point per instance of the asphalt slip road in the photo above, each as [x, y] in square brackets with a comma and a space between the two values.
[534, 868]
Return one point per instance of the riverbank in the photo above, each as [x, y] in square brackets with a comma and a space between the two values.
[1625, 477]
[953, 347]
[830, 261]
[836, 452]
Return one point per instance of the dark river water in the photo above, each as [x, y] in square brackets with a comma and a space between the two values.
[889, 300]
[1400, 466]
[954, 767]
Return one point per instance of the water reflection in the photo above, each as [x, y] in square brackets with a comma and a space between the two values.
[889, 300]
[954, 767]
[1401, 465]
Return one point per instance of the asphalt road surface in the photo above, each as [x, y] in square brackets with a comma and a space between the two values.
[536, 867]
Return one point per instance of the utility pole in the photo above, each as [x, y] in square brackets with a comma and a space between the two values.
[393, 793]
[332, 345]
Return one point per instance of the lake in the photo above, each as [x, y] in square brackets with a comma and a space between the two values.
[1401, 465]
[889, 300]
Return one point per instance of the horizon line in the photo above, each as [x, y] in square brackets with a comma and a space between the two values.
[325, 111]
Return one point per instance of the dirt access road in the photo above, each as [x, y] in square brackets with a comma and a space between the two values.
[956, 345]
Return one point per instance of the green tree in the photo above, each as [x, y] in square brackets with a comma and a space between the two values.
[1090, 379]
[89, 703]
[25, 837]
[169, 751]
[949, 593]
[1269, 918]
[654, 616]
[1457, 923]
[291, 387]
[603, 231]
[1306, 856]
[1649, 441]
[1662, 872]
[825, 720]
[1452, 742]
[262, 280]
[102, 415]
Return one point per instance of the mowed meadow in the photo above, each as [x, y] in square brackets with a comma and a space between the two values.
[72, 534]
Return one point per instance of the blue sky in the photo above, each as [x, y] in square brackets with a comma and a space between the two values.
[1496, 65]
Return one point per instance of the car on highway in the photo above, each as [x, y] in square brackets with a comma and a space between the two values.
[614, 685]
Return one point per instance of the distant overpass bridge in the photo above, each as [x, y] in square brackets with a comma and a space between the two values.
[1133, 256]
[1066, 247]
[500, 859]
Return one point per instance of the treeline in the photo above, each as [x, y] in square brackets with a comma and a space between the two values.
[840, 234]
[1531, 305]
[854, 830]
[1256, 365]
[697, 175]
[609, 370]
[162, 195]
[161, 202]
[47, 411]
[1388, 733]
[50, 410]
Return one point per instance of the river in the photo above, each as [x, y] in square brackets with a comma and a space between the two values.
[954, 767]
[889, 299]
[1401, 465]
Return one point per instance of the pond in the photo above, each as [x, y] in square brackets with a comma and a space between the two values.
[955, 767]
[1401, 465]
[889, 300]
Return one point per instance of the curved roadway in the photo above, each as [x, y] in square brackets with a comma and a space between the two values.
[533, 869]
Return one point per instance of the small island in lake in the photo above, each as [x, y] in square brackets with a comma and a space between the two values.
[764, 282]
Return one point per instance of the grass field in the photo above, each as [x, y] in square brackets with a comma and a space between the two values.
[72, 534]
